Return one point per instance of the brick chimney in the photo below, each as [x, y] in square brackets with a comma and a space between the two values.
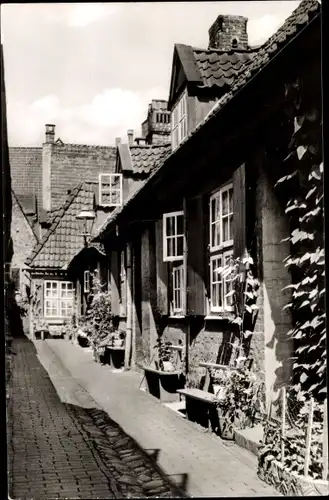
[229, 33]
[140, 141]
[50, 133]
[156, 128]
[130, 135]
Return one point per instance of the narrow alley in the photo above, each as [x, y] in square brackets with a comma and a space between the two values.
[60, 450]
[66, 445]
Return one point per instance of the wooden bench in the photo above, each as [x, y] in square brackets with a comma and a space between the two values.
[200, 407]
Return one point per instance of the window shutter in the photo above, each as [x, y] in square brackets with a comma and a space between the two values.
[115, 283]
[239, 211]
[196, 255]
[161, 270]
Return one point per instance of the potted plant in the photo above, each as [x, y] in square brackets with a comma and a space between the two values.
[162, 376]
[118, 338]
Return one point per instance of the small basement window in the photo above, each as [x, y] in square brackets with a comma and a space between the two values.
[110, 190]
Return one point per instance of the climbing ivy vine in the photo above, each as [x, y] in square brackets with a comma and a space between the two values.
[304, 185]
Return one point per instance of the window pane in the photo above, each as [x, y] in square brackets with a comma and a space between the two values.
[230, 200]
[225, 203]
[180, 224]
[170, 250]
[230, 233]
[180, 246]
[212, 209]
[170, 226]
[225, 229]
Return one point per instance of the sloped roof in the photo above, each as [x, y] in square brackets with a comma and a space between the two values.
[294, 24]
[142, 159]
[63, 240]
[218, 68]
[26, 171]
[145, 158]
[208, 68]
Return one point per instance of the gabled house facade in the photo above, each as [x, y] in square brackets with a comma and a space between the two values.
[41, 179]
[135, 162]
[52, 289]
[109, 176]
[214, 197]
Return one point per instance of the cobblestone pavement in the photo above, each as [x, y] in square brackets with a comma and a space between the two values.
[201, 463]
[58, 450]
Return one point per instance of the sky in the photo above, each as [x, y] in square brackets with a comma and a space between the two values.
[92, 69]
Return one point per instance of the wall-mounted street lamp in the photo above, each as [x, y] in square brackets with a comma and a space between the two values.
[85, 221]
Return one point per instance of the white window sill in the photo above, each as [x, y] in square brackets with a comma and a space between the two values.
[220, 316]
[177, 316]
[221, 247]
[56, 321]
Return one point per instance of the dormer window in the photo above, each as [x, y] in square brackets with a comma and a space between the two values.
[110, 190]
[179, 121]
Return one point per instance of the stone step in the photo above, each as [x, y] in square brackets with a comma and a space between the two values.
[249, 438]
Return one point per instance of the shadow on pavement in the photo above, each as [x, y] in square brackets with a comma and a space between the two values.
[135, 471]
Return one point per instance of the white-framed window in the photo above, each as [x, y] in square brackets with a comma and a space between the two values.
[220, 283]
[221, 249]
[58, 297]
[173, 236]
[178, 289]
[110, 190]
[179, 121]
[221, 218]
[86, 282]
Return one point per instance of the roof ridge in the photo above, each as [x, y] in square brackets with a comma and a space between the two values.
[25, 147]
[88, 145]
[231, 51]
[57, 218]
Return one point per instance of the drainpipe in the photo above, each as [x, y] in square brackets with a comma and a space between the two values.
[133, 307]
[129, 309]
[31, 309]
[185, 309]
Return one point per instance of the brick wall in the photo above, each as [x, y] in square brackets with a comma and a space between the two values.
[71, 164]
